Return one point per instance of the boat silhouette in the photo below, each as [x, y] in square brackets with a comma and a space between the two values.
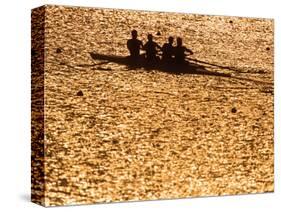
[158, 65]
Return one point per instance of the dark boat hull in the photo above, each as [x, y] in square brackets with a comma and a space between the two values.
[110, 58]
[141, 62]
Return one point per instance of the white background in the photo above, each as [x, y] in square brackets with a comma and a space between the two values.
[15, 104]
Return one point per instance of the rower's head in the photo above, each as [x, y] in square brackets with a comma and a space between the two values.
[171, 40]
[149, 37]
[134, 34]
[179, 41]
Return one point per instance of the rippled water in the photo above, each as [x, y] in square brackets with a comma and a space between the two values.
[138, 134]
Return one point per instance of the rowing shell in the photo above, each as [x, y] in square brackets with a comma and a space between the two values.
[141, 62]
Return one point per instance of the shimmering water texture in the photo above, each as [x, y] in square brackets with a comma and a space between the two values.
[109, 132]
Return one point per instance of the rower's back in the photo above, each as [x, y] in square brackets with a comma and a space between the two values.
[179, 51]
[134, 45]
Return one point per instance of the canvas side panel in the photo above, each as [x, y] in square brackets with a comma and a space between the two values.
[37, 105]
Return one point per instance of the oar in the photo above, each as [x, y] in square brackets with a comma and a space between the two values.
[211, 64]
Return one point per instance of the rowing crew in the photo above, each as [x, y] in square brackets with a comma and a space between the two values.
[170, 52]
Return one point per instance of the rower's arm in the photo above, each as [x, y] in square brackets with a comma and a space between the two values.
[159, 47]
[141, 45]
[128, 44]
[189, 51]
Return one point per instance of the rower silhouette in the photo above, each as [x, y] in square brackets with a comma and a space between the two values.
[180, 51]
[134, 45]
[151, 48]
[168, 50]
